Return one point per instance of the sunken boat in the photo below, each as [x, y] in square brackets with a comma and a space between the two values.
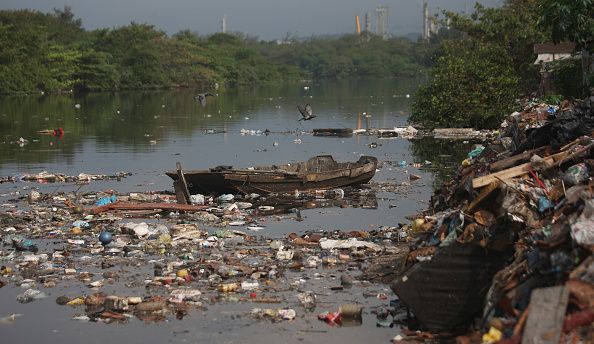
[320, 172]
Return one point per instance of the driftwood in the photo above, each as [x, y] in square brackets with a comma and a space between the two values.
[547, 311]
[517, 170]
[512, 161]
[181, 187]
[551, 161]
[575, 154]
[145, 206]
[483, 195]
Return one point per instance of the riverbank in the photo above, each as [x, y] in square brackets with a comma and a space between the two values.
[504, 253]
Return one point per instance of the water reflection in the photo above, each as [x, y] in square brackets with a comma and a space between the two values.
[445, 156]
[135, 121]
[348, 197]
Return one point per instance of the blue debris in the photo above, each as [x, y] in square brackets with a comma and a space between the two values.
[476, 151]
[544, 204]
[106, 200]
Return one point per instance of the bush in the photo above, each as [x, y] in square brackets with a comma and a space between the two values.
[474, 84]
[566, 78]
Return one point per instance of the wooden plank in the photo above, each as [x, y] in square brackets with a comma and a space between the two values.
[146, 206]
[180, 195]
[574, 154]
[484, 194]
[547, 312]
[503, 175]
[511, 161]
[515, 171]
[182, 185]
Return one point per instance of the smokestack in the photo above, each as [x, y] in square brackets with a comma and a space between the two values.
[224, 24]
[368, 22]
[425, 34]
[358, 25]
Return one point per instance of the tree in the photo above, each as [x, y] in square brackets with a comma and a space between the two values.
[477, 77]
[571, 20]
[474, 84]
[62, 67]
[513, 26]
[95, 73]
[138, 50]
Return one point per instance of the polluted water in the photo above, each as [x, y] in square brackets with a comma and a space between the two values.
[95, 246]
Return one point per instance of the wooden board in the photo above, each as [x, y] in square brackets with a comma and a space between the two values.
[546, 315]
[483, 195]
[502, 175]
[180, 194]
[511, 161]
[515, 171]
[145, 206]
[181, 189]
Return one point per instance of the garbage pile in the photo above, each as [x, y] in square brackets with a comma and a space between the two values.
[505, 252]
[46, 177]
[118, 257]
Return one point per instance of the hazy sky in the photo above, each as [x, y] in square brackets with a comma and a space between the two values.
[267, 19]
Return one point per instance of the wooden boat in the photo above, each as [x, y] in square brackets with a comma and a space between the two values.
[320, 172]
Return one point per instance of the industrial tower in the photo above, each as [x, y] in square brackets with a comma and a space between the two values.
[431, 25]
[224, 24]
[382, 21]
[368, 22]
[425, 32]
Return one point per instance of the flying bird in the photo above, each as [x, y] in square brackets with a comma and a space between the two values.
[201, 97]
[305, 112]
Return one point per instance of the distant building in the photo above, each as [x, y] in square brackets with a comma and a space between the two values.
[224, 24]
[368, 22]
[549, 52]
[431, 25]
[382, 21]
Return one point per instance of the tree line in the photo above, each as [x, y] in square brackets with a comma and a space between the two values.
[53, 52]
[487, 62]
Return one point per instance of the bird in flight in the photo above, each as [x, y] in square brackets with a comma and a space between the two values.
[305, 112]
[201, 97]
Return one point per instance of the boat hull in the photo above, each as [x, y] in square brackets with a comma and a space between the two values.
[264, 181]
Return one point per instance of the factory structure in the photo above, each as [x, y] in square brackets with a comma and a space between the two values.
[381, 22]
[430, 23]
[224, 24]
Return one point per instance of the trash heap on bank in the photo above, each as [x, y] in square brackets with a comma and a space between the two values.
[505, 252]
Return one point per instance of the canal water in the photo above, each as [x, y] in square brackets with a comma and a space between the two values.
[146, 133]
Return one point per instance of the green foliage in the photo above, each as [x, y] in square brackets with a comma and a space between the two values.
[514, 27]
[62, 65]
[553, 99]
[347, 56]
[566, 74]
[479, 74]
[94, 72]
[137, 50]
[53, 52]
[571, 20]
[474, 85]
[21, 65]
